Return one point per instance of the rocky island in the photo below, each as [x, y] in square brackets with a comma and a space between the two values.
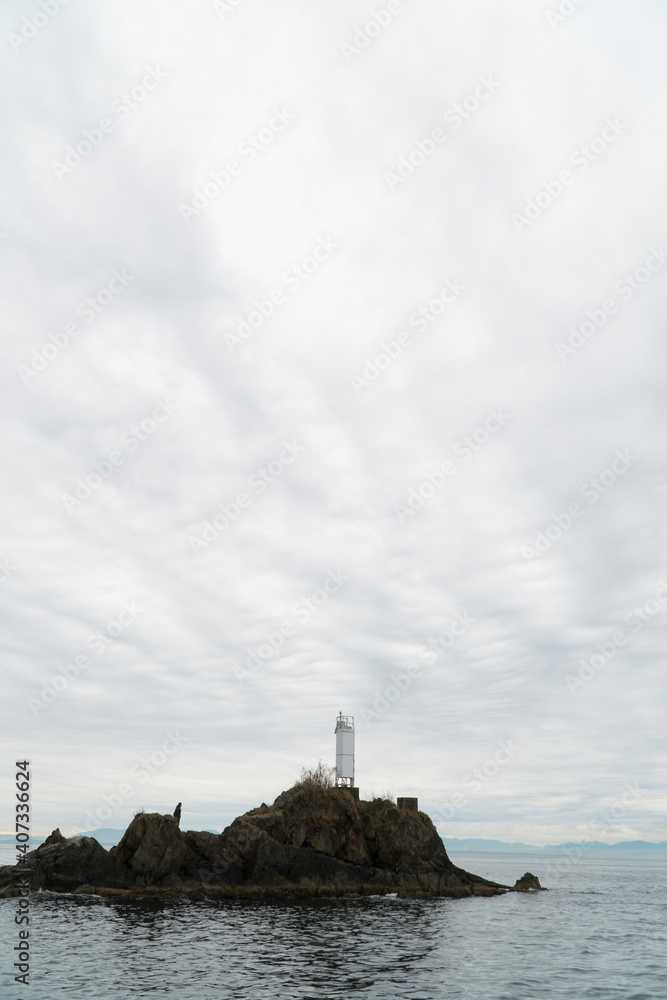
[313, 841]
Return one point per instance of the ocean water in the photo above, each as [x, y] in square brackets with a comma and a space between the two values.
[600, 933]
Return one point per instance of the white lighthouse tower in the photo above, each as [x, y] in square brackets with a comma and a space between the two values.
[345, 750]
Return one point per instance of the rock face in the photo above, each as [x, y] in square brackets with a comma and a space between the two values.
[63, 865]
[154, 852]
[526, 883]
[55, 837]
[311, 841]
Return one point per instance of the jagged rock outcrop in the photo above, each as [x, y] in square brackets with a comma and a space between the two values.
[402, 840]
[328, 820]
[154, 852]
[526, 883]
[311, 841]
[64, 864]
[55, 837]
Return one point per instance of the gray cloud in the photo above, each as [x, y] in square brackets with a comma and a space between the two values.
[162, 336]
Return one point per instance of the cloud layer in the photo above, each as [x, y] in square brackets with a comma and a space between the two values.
[363, 296]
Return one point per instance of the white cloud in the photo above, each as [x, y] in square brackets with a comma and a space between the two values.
[323, 177]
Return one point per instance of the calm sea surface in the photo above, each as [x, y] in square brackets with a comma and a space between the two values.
[599, 933]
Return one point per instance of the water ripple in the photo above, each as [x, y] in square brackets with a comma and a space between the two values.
[597, 935]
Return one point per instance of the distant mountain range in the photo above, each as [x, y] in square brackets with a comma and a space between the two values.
[106, 836]
[630, 849]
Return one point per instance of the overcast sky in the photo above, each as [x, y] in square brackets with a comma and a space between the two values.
[396, 374]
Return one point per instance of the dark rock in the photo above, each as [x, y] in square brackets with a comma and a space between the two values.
[526, 882]
[62, 865]
[401, 840]
[55, 837]
[328, 818]
[311, 841]
[155, 851]
[371, 844]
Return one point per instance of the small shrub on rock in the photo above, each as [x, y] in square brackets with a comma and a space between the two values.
[321, 776]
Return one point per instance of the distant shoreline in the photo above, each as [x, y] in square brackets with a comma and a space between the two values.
[630, 850]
